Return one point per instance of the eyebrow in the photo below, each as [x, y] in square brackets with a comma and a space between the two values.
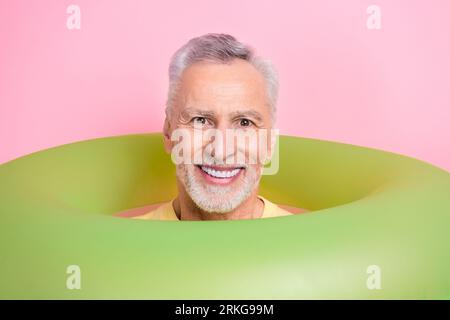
[247, 114]
[189, 112]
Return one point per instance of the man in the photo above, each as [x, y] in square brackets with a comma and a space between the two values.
[216, 83]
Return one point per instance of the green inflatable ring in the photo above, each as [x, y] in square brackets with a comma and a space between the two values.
[368, 208]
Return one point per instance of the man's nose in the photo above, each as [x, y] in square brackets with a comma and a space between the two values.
[221, 150]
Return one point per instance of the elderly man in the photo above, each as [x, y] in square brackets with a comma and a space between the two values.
[216, 82]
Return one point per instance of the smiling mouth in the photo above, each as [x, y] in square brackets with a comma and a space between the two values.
[218, 172]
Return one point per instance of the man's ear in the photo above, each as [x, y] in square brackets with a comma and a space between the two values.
[166, 136]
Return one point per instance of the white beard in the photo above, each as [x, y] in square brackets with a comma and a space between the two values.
[216, 198]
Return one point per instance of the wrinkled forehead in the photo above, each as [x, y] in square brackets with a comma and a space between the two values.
[222, 88]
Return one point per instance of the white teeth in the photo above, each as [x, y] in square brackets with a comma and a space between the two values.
[220, 174]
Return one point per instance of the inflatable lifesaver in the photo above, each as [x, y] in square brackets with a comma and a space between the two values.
[373, 214]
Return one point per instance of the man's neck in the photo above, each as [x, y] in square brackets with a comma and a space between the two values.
[186, 209]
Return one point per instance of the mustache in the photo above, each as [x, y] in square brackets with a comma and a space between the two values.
[211, 160]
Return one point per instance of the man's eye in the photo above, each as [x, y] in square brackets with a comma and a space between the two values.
[245, 123]
[199, 120]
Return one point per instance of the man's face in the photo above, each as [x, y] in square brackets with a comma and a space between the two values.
[225, 99]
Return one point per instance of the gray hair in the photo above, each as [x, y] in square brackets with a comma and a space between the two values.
[220, 48]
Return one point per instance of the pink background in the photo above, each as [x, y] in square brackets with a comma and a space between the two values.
[387, 89]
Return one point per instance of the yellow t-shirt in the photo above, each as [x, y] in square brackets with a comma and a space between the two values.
[166, 212]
